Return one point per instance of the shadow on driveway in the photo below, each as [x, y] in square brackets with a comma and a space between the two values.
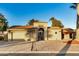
[65, 49]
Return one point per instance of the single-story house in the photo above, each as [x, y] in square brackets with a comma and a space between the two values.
[36, 32]
[68, 33]
[39, 31]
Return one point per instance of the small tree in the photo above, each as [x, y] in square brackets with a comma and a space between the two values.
[56, 23]
[3, 23]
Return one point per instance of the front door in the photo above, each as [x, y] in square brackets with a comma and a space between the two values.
[40, 34]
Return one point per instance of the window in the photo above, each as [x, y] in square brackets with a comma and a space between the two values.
[55, 32]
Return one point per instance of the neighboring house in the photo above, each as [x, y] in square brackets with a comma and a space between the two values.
[1, 25]
[68, 33]
[1, 32]
[3, 35]
[56, 33]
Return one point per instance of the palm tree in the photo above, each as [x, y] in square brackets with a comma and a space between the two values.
[76, 7]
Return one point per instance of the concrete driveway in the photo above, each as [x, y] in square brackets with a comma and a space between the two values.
[50, 47]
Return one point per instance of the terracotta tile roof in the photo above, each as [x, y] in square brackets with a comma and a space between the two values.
[20, 27]
[54, 28]
[68, 30]
[41, 22]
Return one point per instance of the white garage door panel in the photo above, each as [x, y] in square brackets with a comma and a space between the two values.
[19, 35]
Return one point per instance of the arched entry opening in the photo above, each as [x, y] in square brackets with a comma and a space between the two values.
[40, 34]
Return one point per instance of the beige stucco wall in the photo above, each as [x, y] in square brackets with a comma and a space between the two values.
[45, 34]
[66, 36]
[77, 34]
[78, 8]
[43, 25]
[9, 36]
[19, 34]
[53, 35]
[40, 24]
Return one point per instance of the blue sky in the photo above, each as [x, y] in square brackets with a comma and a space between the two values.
[21, 13]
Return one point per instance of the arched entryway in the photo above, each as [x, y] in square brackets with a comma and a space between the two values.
[40, 34]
